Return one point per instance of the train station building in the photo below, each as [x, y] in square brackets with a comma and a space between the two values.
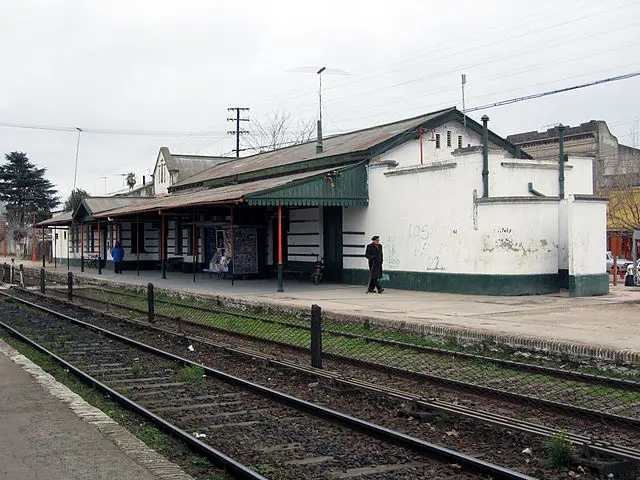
[458, 209]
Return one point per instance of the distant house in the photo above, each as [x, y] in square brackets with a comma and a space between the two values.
[614, 166]
[457, 207]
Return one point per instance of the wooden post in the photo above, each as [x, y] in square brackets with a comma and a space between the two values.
[316, 336]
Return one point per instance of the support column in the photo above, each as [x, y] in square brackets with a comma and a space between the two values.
[34, 255]
[138, 246]
[44, 249]
[163, 246]
[193, 245]
[55, 248]
[99, 250]
[232, 246]
[4, 246]
[69, 247]
[280, 266]
[82, 246]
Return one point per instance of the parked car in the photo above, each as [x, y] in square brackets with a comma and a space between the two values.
[632, 278]
[622, 263]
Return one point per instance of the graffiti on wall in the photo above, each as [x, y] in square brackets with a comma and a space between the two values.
[413, 246]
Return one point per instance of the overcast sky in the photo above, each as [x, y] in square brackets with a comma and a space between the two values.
[167, 66]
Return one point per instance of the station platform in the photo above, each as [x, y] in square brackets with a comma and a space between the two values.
[572, 324]
[49, 433]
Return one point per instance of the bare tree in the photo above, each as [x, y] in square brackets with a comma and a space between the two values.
[623, 210]
[277, 130]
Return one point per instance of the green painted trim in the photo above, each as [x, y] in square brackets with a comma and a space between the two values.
[588, 285]
[475, 284]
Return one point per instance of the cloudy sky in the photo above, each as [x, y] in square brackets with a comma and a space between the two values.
[132, 68]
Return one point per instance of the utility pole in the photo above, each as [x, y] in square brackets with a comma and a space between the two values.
[237, 132]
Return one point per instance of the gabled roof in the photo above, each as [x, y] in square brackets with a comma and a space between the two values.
[63, 218]
[92, 206]
[343, 149]
[188, 165]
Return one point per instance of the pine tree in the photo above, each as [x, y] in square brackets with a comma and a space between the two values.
[25, 190]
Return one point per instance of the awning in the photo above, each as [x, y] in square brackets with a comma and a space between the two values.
[62, 219]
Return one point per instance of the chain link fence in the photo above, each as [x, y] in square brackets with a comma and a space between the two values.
[357, 343]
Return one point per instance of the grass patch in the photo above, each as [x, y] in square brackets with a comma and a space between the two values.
[560, 450]
[191, 373]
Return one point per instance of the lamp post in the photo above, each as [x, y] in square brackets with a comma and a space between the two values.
[75, 170]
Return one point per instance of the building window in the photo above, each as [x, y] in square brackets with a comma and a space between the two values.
[459, 141]
[137, 238]
[437, 140]
[448, 138]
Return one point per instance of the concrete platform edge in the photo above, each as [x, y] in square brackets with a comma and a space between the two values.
[124, 440]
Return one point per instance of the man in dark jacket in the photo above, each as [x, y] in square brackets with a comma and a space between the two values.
[374, 255]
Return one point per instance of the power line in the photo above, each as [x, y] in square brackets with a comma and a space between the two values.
[552, 92]
[107, 131]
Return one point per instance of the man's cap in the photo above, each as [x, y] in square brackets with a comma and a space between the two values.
[375, 237]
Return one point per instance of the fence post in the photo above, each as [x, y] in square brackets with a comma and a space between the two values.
[5, 269]
[42, 280]
[316, 336]
[151, 302]
[70, 286]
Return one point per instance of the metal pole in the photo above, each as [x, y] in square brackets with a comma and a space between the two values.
[55, 248]
[232, 246]
[561, 159]
[485, 157]
[237, 135]
[44, 250]
[34, 256]
[138, 246]
[99, 250]
[82, 246]
[69, 247]
[280, 266]
[193, 246]
[163, 253]
[464, 117]
[75, 170]
[150, 302]
[70, 286]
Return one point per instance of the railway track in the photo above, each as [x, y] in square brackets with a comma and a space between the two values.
[279, 435]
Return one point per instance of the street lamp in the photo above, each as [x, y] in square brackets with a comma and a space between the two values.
[75, 171]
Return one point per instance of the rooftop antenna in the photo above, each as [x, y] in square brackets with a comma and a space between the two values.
[464, 116]
[123, 175]
[105, 184]
[319, 71]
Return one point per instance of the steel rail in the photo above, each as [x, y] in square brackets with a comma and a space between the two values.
[566, 374]
[398, 438]
[483, 416]
[218, 457]
[436, 378]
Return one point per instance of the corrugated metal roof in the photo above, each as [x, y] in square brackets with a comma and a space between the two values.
[96, 205]
[202, 196]
[189, 165]
[358, 141]
[62, 219]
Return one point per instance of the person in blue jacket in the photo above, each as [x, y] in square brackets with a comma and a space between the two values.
[117, 253]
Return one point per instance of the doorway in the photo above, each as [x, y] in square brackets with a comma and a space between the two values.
[332, 233]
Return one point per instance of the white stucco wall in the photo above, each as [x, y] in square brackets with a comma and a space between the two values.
[428, 221]
[587, 234]
[408, 154]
